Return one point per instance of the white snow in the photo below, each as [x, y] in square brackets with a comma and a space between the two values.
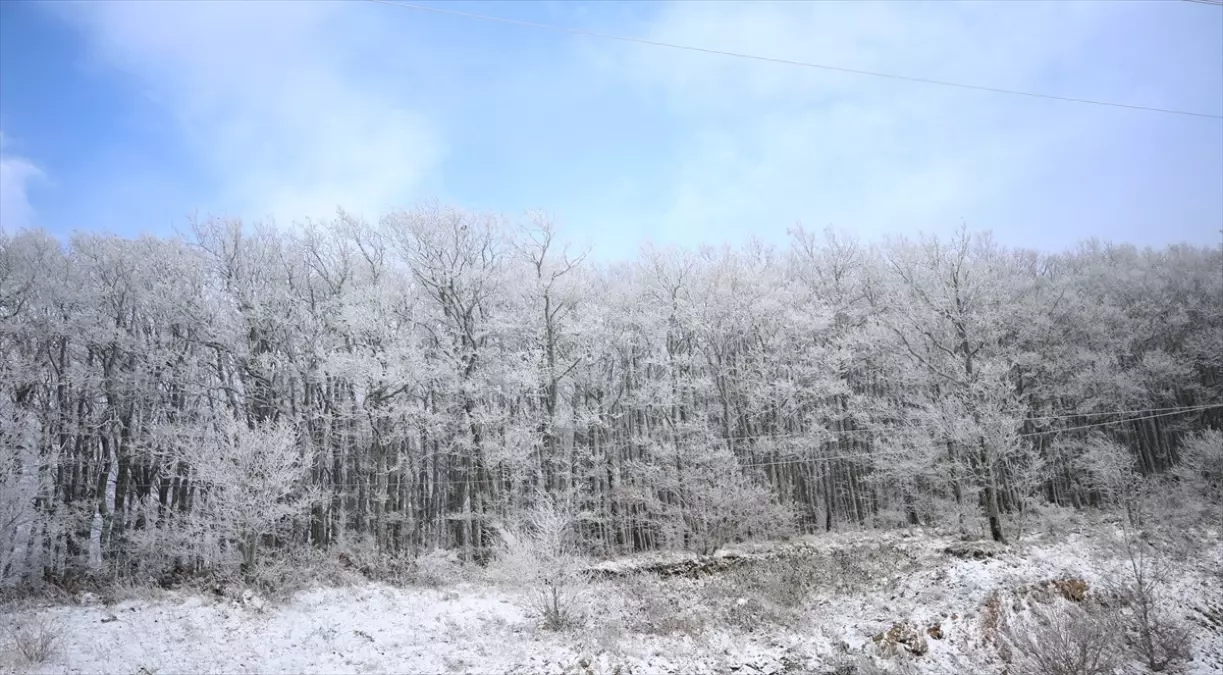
[480, 628]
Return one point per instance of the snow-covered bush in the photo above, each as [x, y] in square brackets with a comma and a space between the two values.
[363, 558]
[787, 581]
[437, 568]
[34, 638]
[1156, 634]
[1061, 640]
[1110, 469]
[168, 550]
[279, 573]
[1059, 521]
[1201, 468]
[540, 557]
[865, 664]
[661, 607]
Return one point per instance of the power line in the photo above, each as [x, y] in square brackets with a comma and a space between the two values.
[788, 62]
[875, 455]
[1216, 3]
[1132, 419]
[934, 425]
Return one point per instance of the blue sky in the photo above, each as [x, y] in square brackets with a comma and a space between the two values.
[129, 117]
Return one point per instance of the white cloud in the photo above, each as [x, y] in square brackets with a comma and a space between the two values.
[770, 144]
[292, 108]
[274, 101]
[16, 173]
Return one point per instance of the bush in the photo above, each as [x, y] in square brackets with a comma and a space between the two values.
[863, 664]
[541, 558]
[1198, 499]
[256, 483]
[662, 607]
[280, 574]
[35, 639]
[1065, 640]
[1202, 463]
[1159, 638]
[437, 568]
[786, 581]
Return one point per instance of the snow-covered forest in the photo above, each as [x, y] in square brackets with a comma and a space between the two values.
[175, 404]
[244, 401]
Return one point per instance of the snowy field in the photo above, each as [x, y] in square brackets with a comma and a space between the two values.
[848, 603]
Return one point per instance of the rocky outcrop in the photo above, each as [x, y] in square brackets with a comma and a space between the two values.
[691, 568]
[903, 635]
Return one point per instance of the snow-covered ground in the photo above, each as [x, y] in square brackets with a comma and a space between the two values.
[837, 593]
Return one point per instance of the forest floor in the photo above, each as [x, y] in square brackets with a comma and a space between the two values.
[849, 603]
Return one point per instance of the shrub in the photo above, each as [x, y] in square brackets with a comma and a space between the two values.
[1201, 465]
[437, 568]
[1159, 638]
[658, 607]
[991, 617]
[35, 639]
[1064, 640]
[540, 557]
[256, 483]
[787, 581]
[863, 664]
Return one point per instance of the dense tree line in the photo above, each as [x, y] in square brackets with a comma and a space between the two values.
[416, 383]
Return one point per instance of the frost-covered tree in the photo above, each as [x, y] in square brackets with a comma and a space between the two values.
[457, 259]
[19, 489]
[256, 482]
[954, 309]
[443, 370]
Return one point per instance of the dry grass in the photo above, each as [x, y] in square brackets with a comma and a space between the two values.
[991, 617]
[761, 594]
[655, 607]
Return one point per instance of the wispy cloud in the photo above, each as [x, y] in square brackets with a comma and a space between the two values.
[292, 108]
[772, 144]
[275, 100]
[16, 174]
